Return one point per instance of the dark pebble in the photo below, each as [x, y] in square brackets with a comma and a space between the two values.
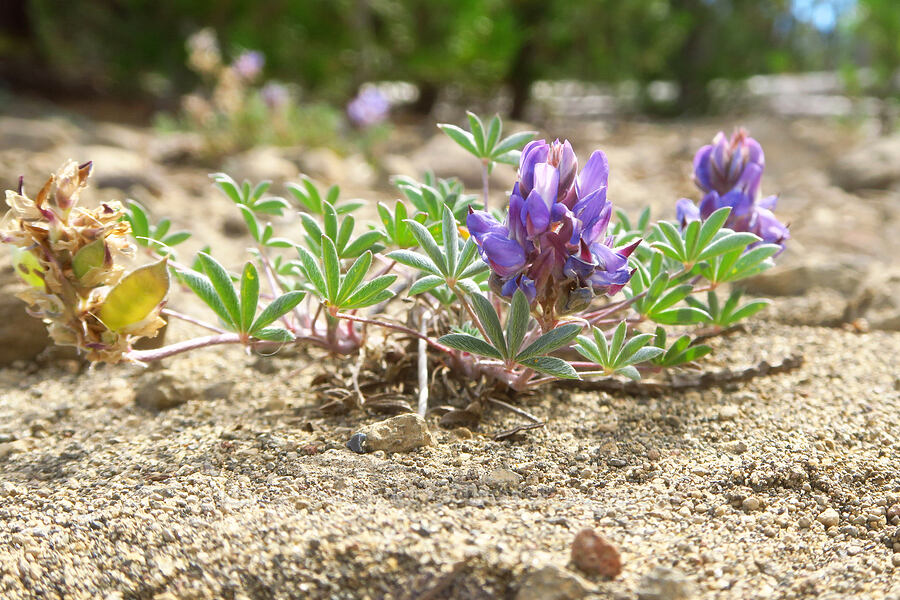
[357, 443]
[617, 462]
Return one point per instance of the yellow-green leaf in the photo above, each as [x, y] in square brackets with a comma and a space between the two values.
[28, 267]
[135, 296]
[89, 257]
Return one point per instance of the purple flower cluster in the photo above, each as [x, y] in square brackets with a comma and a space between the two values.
[249, 64]
[553, 244]
[729, 173]
[275, 95]
[370, 107]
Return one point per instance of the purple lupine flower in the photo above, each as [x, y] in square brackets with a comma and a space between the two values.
[729, 163]
[249, 64]
[553, 245]
[730, 172]
[275, 95]
[370, 107]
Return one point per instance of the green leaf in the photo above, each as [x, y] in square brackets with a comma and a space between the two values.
[274, 334]
[517, 321]
[137, 217]
[671, 234]
[249, 296]
[135, 296]
[470, 344]
[222, 284]
[329, 220]
[354, 276]
[618, 338]
[686, 315]
[550, 365]
[690, 238]
[629, 372]
[602, 346]
[727, 243]
[550, 341]
[250, 220]
[513, 142]
[331, 267]
[642, 355]
[312, 272]
[344, 233]
[364, 295]
[429, 282]
[364, 242]
[89, 257]
[493, 134]
[414, 260]
[176, 238]
[427, 243]
[461, 137]
[588, 349]
[229, 186]
[278, 308]
[631, 347]
[491, 323]
[451, 239]
[748, 310]
[711, 227]
[477, 131]
[468, 254]
[203, 288]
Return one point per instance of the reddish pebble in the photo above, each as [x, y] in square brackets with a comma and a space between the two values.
[595, 555]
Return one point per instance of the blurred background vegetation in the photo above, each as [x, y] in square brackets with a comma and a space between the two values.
[476, 50]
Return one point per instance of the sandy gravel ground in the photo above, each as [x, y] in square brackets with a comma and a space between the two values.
[786, 486]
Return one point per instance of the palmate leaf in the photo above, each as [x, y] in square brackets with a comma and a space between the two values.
[621, 353]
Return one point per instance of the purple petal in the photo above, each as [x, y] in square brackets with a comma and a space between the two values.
[504, 255]
[701, 168]
[686, 211]
[594, 175]
[480, 223]
[546, 183]
[534, 153]
[537, 213]
[710, 204]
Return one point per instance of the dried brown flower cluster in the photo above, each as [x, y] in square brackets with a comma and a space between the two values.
[71, 258]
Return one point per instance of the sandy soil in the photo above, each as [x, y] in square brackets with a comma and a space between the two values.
[786, 486]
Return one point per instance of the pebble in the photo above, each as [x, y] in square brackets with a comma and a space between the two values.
[750, 504]
[502, 477]
[357, 443]
[617, 462]
[551, 582]
[402, 433]
[276, 404]
[804, 523]
[595, 555]
[829, 517]
[664, 583]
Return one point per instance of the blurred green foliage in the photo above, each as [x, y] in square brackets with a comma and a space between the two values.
[474, 46]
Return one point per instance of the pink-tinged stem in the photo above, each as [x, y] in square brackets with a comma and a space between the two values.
[185, 346]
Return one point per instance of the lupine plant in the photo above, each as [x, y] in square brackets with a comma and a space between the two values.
[556, 285]
[232, 111]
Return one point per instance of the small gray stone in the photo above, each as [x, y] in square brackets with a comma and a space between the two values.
[357, 443]
[553, 583]
[663, 583]
[751, 504]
